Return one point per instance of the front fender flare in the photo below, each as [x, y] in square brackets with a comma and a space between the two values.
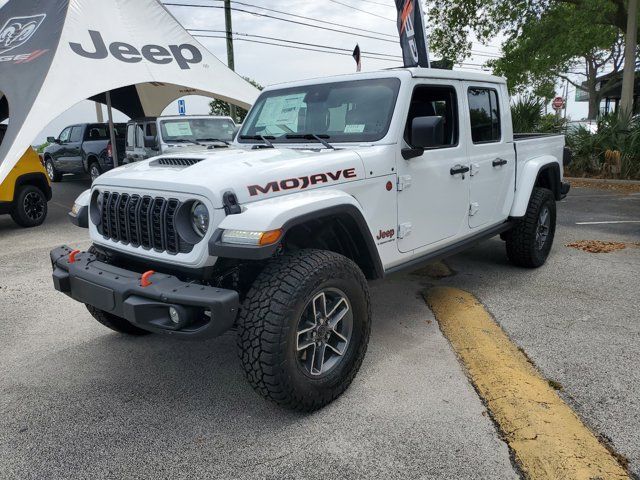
[285, 213]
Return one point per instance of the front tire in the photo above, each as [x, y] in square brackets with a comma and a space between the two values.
[529, 242]
[94, 171]
[29, 206]
[304, 328]
[53, 174]
[115, 323]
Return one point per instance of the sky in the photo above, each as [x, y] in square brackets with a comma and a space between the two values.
[269, 64]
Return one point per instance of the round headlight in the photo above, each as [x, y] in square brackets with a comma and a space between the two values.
[200, 218]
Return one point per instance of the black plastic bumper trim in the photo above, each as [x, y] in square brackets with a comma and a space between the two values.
[118, 291]
[564, 189]
[81, 219]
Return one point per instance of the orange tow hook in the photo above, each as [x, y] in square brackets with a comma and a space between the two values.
[72, 256]
[144, 279]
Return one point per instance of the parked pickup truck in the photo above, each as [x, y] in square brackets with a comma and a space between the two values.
[151, 136]
[83, 148]
[329, 183]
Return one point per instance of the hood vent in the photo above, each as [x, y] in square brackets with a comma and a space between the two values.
[178, 161]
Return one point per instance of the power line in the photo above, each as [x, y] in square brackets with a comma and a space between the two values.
[363, 11]
[294, 47]
[284, 20]
[321, 49]
[379, 3]
[397, 57]
[312, 19]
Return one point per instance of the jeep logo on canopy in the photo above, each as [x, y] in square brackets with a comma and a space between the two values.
[18, 30]
[184, 54]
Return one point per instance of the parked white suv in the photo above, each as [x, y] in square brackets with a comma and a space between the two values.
[329, 183]
[151, 136]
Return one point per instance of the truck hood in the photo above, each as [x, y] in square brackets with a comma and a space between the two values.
[251, 174]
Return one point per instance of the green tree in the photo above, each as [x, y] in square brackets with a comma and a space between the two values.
[544, 38]
[221, 108]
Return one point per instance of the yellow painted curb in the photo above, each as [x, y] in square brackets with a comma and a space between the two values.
[548, 439]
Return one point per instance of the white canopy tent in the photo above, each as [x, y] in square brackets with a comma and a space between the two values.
[56, 53]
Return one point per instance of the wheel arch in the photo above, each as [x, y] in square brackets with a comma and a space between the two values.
[331, 220]
[37, 179]
[545, 172]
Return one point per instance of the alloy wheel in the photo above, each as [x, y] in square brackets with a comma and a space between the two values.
[542, 228]
[324, 332]
[33, 205]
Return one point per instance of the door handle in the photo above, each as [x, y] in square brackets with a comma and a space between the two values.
[459, 169]
[498, 162]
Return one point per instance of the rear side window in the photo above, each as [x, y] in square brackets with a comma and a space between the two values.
[76, 134]
[484, 112]
[151, 130]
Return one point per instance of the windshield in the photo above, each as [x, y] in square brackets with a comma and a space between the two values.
[353, 111]
[197, 130]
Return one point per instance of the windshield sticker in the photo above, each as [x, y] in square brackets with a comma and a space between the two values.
[354, 128]
[178, 129]
[281, 113]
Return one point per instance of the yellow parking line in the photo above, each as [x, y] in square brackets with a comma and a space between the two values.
[547, 438]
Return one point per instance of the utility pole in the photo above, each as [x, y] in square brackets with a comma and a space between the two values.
[629, 72]
[99, 117]
[230, 61]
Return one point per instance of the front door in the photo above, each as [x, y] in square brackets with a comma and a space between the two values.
[491, 158]
[434, 198]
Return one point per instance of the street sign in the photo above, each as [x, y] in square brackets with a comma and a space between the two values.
[182, 107]
[558, 103]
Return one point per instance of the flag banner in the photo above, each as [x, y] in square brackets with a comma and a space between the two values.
[413, 36]
[356, 57]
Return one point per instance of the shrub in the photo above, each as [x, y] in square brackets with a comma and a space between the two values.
[613, 151]
[527, 117]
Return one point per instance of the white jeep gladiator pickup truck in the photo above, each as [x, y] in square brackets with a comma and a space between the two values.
[329, 183]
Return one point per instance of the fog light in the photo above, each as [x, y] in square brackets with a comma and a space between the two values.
[174, 315]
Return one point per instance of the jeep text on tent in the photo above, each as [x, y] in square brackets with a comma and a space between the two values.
[129, 54]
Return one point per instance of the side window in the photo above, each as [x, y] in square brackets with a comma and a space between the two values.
[151, 130]
[484, 113]
[131, 135]
[435, 101]
[139, 136]
[64, 136]
[76, 134]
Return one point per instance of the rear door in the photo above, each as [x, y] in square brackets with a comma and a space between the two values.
[491, 154]
[433, 199]
[73, 155]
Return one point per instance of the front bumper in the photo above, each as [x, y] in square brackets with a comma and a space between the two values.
[564, 189]
[204, 311]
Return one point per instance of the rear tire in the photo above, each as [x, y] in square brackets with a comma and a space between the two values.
[529, 242]
[115, 323]
[304, 328]
[53, 174]
[29, 206]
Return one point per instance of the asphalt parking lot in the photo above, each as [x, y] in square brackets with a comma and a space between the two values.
[78, 400]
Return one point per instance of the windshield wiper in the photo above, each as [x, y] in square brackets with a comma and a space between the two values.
[185, 140]
[212, 140]
[311, 136]
[265, 139]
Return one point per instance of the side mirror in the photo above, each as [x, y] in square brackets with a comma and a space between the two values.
[151, 142]
[52, 140]
[426, 132]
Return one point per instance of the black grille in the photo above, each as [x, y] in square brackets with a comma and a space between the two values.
[178, 162]
[142, 221]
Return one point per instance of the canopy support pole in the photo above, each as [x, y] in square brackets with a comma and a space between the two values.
[112, 132]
